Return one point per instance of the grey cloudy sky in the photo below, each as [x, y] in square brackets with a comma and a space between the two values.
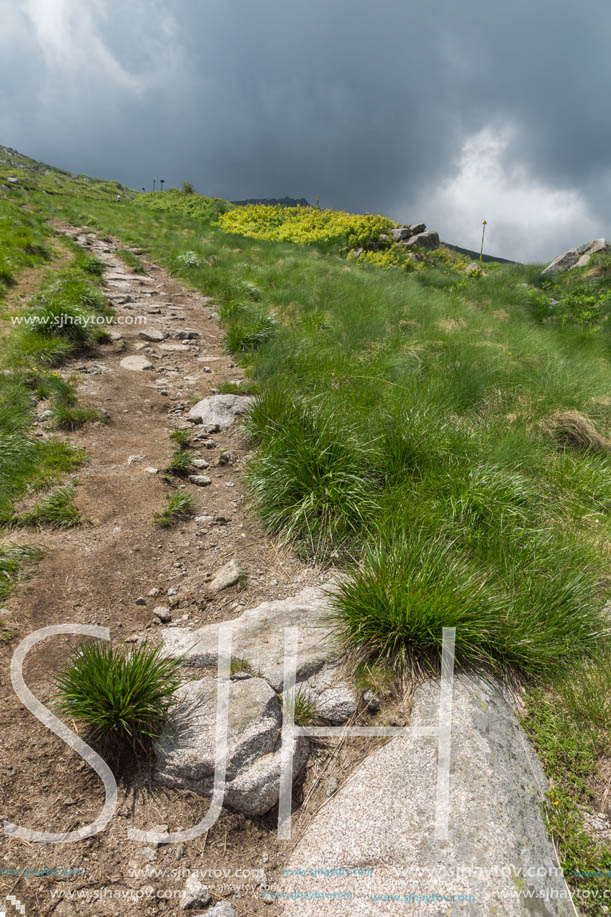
[438, 111]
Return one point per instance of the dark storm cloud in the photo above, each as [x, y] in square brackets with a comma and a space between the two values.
[433, 110]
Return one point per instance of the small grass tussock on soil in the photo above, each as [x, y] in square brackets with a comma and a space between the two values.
[179, 507]
[123, 697]
[180, 463]
[305, 710]
[12, 559]
[57, 510]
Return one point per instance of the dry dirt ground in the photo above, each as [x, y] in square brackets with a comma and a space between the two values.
[101, 573]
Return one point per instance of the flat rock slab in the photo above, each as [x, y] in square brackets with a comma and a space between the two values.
[258, 637]
[219, 411]
[151, 334]
[382, 821]
[133, 278]
[136, 364]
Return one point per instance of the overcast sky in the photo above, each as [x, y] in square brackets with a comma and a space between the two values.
[446, 112]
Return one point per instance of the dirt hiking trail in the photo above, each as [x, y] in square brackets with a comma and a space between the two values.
[112, 571]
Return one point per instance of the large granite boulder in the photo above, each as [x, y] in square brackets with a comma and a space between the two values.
[428, 240]
[577, 257]
[375, 837]
[218, 411]
[185, 754]
[258, 638]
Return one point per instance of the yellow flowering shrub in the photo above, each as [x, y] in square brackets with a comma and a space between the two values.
[393, 257]
[304, 224]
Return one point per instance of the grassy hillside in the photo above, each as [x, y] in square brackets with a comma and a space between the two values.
[443, 437]
[20, 173]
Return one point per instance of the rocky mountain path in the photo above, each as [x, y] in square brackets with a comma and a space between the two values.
[117, 567]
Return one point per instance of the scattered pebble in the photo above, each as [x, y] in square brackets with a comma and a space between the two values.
[163, 613]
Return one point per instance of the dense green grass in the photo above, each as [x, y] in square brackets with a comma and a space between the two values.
[65, 306]
[403, 416]
[24, 242]
[570, 727]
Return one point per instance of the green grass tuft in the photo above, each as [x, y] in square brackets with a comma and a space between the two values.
[12, 559]
[180, 506]
[57, 510]
[123, 697]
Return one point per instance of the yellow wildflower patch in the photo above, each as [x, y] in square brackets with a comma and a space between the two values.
[304, 224]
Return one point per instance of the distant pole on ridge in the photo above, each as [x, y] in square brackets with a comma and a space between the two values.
[154, 182]
[481, 253]
[161, 181]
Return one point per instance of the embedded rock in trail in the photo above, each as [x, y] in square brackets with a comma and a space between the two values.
[381, 822]
[227, 576]
[219, 411]
[222, 909]
[578, 257]
[152, 334]
[136, 364]
[195, 894]
[186, 751]
[258, 638]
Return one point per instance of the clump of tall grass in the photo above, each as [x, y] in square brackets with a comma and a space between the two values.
[411, 584]
[180, 463]
[122, 697]
[310, 482]
[56, 510]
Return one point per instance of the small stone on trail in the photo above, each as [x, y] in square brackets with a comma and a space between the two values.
[136, 364]
[163, 613]
[227, 576]
[152, 334]
[140, 600]
[151, 470]
[135, 458]
[201, 480]
[196, 894]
